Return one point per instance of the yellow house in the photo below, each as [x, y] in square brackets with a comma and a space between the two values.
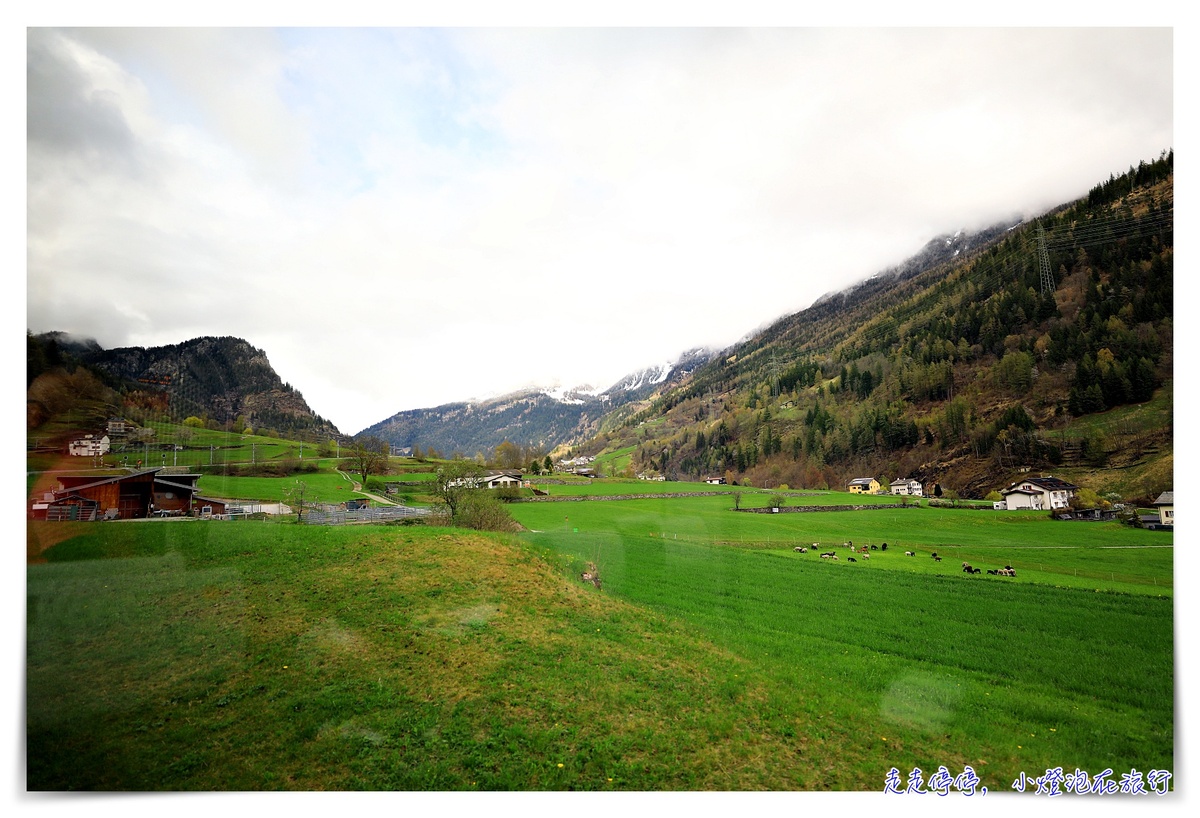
[864, 485]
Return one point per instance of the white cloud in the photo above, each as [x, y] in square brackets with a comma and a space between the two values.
[402, 218]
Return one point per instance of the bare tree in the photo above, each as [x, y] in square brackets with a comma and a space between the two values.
[369, 455]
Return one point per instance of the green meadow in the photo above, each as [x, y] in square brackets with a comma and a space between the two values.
[196, 655]
[325, 486]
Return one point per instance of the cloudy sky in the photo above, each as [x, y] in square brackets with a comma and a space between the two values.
[405, 217]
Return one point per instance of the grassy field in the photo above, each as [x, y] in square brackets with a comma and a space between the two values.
[197, 655]
[327, 486]
[1107, 556]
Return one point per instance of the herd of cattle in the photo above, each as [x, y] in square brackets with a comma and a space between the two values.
[863, 553]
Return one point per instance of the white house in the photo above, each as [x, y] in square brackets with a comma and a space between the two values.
[500, 479]
[906, 485]
[489, 480]
[1166, 508]
[88, 446]
[1039, 493]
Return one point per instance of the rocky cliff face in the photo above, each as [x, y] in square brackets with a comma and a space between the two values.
[222, 378]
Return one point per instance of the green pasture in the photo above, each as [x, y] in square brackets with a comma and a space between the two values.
[610, 486]
[327, 486]
[1107, 556]
[1072, 659]
[616, 461]
[205, 447]
[319, 487]
[196, 655]
[1154, 415]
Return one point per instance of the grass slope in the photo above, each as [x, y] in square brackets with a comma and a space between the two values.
[196, 656]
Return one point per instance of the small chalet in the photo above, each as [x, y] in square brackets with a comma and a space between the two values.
[1039, 493]
[715, 481]
[908, 486]
[140, 494]
[1166, 509]
[864, 485]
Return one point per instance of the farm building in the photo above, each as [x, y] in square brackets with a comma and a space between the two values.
[715, 481]
[906, 485]
[140, 494]
[1039, 493]
[864, 485]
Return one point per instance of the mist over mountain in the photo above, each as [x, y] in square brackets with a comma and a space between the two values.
[969, 364]
[547, 418]
[534, 418]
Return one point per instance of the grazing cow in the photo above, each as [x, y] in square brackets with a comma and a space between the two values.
[934, 555]
[937, 559]
[851, 559]
[909, 554]
[799, 549]
[866, 556]
[975, 571]
[874, 548]
[883, 547]
[967, 569]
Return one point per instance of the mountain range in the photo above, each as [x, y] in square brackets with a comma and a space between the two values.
[538, 419]
[981, 357]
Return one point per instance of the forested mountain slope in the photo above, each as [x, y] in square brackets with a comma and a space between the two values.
[963, 374]
[223, 381]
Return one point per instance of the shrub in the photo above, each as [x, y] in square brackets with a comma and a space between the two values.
[506, 494]
[481, 510]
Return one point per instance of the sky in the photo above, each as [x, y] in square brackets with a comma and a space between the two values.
[405, 217]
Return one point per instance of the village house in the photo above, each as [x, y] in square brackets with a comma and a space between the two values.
[908, 486]
[89, 446]
[507, 478]
[1166, 508]
[715, 481]
[1039, 493]
[864, 485]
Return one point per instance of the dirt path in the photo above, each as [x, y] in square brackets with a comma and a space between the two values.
[357, 488]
